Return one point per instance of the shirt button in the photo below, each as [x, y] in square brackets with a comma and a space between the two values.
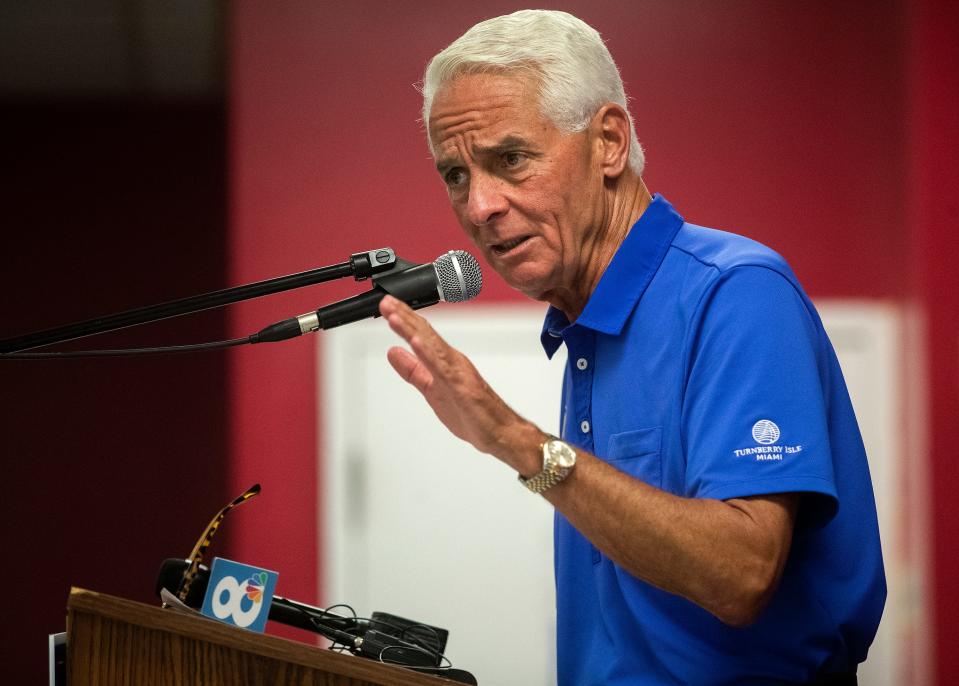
[584, 426]
[581, 363]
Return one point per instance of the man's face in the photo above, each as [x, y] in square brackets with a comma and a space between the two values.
[526, 193]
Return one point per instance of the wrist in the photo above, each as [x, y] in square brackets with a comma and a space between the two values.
[521, 447]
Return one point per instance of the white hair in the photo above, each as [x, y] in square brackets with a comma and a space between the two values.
[576, 73]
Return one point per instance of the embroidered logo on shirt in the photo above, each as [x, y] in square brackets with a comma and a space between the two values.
[765, 432]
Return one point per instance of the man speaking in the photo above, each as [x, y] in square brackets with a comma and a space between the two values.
[715, 521]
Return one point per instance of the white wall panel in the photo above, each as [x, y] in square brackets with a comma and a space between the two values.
[421, 525]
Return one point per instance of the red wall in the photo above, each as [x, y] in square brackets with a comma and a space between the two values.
[791, 122]
[934, 208]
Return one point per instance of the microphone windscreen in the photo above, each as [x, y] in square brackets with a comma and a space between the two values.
[459, 274]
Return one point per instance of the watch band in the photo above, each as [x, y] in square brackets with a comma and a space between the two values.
[543, 481]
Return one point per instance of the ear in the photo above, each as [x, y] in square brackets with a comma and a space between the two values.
[611, 125]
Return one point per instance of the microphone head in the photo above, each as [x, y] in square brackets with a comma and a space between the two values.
[459, 276]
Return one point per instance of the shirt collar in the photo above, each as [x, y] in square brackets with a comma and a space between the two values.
[625, 280]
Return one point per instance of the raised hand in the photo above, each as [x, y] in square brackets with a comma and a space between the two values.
[452, 386]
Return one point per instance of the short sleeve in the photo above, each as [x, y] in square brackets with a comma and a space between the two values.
[754, 412]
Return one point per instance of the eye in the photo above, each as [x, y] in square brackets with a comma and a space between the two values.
[455, 177]
[513, 159]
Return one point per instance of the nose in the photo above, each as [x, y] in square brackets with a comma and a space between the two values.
[486, 200]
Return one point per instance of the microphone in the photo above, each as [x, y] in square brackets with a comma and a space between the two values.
[453, 277]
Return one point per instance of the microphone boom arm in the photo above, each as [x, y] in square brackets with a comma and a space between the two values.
[361, 266]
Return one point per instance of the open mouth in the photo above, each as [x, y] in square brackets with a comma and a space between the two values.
[503, 248]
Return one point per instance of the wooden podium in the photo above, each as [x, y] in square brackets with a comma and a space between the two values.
[115, 641]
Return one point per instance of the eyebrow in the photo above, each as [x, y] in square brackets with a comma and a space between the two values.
[506, 144]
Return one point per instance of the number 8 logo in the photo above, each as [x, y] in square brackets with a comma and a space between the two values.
[235, 593]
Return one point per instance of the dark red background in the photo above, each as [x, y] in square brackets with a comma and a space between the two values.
[109, 465]
[826, 130]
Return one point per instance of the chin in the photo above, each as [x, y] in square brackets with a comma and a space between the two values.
[531, 291]
[532, 278]
[517, 280]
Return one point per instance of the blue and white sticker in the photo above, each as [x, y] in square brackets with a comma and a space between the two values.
[239, 594]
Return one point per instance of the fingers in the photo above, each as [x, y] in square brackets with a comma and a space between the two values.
[414, 330]
[429, 347]
[408, 366]
[401, 317]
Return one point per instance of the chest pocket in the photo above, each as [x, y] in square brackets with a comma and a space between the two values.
[637, 453]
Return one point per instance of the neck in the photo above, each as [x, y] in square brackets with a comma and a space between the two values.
[625, 203]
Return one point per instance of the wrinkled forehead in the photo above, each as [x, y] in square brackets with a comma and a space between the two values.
[480, 107]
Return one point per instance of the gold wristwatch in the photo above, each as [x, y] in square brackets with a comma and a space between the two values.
[559, 458]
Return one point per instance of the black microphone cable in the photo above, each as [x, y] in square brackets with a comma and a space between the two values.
[129, 352]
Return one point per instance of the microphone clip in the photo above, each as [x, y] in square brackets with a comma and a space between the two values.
[372, 262]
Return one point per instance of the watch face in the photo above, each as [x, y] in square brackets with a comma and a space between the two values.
[562, 456]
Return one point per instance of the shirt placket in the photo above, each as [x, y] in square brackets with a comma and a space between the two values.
[578, 427]
[579, 420]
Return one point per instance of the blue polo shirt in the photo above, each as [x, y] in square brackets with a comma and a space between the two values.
[700, 366]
